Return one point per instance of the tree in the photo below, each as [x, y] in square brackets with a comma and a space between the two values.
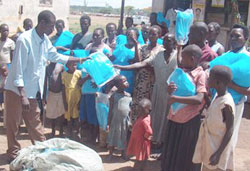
[128, 9]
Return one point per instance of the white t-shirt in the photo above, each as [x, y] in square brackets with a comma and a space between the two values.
[5, 48]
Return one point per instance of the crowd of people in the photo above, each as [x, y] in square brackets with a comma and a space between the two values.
[201, 136]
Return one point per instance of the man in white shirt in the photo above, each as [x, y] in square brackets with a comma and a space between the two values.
[238, 38]
[25, 81]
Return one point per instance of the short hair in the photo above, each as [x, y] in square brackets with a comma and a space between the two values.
[222, 73]
[111, 24]
[117, 80]
[153, 13]
[244, 28]
[130, 18]
[216, 26]
[86, 17]
[133, 29]
[27, 20]
[193, 50]
[145, 101]
[159, 31]
[60, 21]
[3, 25]
[45, 15]
[198, 9]
[101, 29]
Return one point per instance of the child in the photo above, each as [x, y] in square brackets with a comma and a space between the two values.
[214, 147]
[139, 143]
[118, 118]
[55, 107]
[111, 30]
[71, 97]
[7, 46]
[182, 129]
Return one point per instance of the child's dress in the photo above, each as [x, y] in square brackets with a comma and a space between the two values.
[73, 93]
[139, 145]
[211, 134]
[117, 136]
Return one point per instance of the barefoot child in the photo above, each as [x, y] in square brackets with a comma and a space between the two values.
[72, 95]
[182, 129]
[214, 147]
[139, 143]
[55, 107]
[118, 119]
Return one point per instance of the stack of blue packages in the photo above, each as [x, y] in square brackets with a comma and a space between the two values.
[239, 63]
[184, 21]
[100, 68]
[185, 87]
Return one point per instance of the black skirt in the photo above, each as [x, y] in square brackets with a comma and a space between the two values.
[179, 146]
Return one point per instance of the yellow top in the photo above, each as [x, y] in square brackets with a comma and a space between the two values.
[71, 80]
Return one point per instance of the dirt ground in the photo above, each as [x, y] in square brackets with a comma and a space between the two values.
[242, 154]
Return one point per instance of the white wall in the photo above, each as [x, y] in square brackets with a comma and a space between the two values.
[248, 18]
[158, 5]
[31, 8]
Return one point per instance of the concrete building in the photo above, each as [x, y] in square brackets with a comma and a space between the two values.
[13, 12]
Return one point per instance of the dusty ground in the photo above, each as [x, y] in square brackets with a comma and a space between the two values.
[242, 155]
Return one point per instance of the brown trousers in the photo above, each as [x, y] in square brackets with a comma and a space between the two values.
[31, 118]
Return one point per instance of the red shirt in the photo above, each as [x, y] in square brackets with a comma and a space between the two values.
[207, 54]
[190, 111]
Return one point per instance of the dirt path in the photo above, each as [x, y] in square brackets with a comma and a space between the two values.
[242, 159]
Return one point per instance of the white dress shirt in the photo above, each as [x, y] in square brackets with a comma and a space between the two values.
[29, 62]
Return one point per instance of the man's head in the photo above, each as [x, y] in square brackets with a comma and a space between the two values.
[132, 32]
[169, 42]
[4, 29]
[98, 35]
[85, 22]
[213, 31]
[153, 18]
[46, 22]
[191, 56]
[198, 33]
[238, 37]
[27, 24]
[59, 26]
[129, 22]
[111, 30]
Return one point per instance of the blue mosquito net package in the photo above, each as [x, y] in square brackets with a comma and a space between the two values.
[65, 39]
[79, 53]
[184, 21]
[161, 19]
[100, 68]
[87, 87]
[102, 109]
[185, 87]
[239, 63]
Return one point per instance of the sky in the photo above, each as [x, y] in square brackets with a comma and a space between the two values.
[114, 3]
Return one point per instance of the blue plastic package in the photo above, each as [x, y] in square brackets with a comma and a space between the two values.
[100, 68]
[185, 87]
[123, 56]
[65, 39]
[79, 53]
[161, 19]
[122, 39]
[184, 21]
[102, 109]
[87, 86]
[239, 63]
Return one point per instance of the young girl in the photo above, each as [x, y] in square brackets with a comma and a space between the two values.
[182, 129]
[139, 143]
[214, 147]
[71, 97]
[118, 119]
